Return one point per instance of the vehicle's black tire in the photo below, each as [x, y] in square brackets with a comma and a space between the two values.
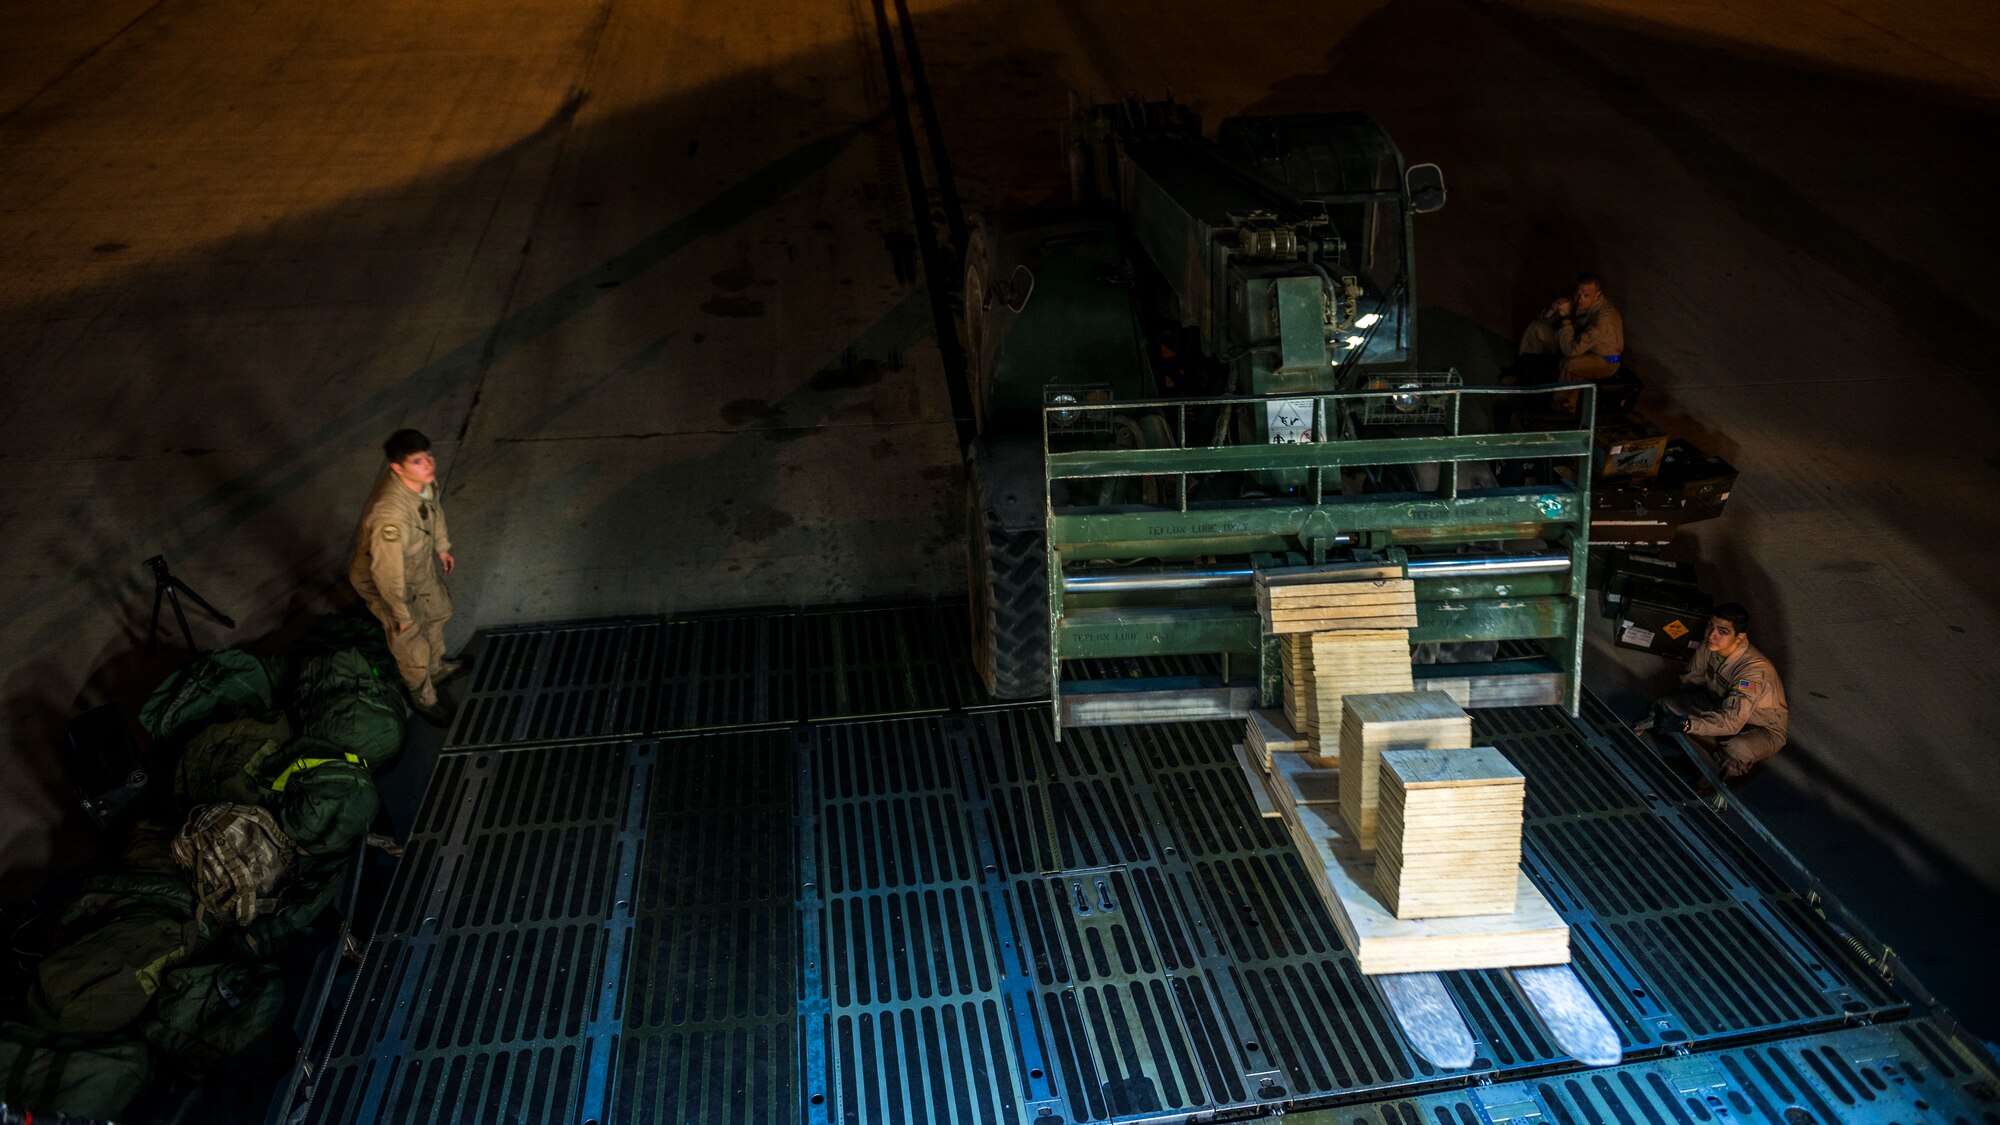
[1007, 572]
[974, 294]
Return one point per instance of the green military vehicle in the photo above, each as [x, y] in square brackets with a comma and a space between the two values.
[1213, 368]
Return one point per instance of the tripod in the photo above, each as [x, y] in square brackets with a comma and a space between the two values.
[166, 586]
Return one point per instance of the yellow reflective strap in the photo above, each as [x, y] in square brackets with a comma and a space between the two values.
[278, 786]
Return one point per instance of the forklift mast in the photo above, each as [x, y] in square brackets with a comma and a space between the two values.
[1209, 369]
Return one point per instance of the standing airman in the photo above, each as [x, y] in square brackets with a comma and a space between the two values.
[401, 556]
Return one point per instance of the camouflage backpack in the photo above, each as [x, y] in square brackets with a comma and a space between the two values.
[234, 856]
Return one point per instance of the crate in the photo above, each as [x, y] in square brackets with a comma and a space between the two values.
[1694, 479]
[1627, 565]
[1628, 447]
[1664, 618]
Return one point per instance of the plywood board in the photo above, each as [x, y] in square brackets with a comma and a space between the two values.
[1295, 671]
[1349, 593]
[1474, 767]
[1269, 732]
[1255, 777]
[1534, 934]
[1375, 722]
[1329, 572]
[1448, 831]
[1322, 620]
[1341, 605]
[1344, 663]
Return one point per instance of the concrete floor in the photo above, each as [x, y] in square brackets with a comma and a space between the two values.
[629, 264]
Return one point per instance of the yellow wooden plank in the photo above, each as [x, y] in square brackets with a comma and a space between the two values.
[1332, 572]
[1356, 593]
[1322, 624]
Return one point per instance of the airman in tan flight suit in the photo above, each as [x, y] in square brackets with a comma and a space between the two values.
[401, 554]
[1731, 698]
[1584, 331]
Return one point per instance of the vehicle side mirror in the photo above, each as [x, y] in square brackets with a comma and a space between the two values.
[1426, 184]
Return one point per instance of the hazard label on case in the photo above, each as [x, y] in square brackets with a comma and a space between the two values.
[1674, 629]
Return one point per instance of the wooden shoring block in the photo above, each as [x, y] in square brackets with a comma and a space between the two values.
[1448, 832]
[1344, 873]
[1322, 624]
[1305, 608]
[1295, 668]
[1269, 732]
[1386, 592]
[1401, 720]
[1361, 661]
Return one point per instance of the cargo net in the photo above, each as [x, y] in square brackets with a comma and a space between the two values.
[1410, 405]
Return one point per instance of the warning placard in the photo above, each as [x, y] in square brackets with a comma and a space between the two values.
[1289, 421]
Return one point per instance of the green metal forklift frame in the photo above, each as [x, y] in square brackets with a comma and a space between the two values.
[1538, 607]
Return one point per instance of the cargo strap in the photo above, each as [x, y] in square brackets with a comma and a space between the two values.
[278, 785]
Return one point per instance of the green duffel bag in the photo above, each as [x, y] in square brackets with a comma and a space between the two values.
[40, 1075]
[368, 723]
[326, 804]
[103, 896]
[231, 762]
[213, 687]
[353, 700]
[101, 982]
[210, 1017]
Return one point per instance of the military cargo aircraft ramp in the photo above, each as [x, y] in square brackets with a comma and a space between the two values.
[795, 867]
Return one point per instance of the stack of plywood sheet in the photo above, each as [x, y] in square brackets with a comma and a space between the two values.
[1295, 674]
[1398, 720]
[1449, 838]
[1270, 732]
[1348, 598]
[1349, 662]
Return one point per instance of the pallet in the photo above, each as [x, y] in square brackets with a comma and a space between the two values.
[1534, 934]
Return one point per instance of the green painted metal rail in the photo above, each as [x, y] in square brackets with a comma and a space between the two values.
[1314, 522]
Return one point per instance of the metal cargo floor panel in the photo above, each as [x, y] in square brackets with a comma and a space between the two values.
[642, 675]
[948, 916]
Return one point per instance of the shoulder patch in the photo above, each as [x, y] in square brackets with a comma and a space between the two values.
[1749, 687]
[391, 532]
